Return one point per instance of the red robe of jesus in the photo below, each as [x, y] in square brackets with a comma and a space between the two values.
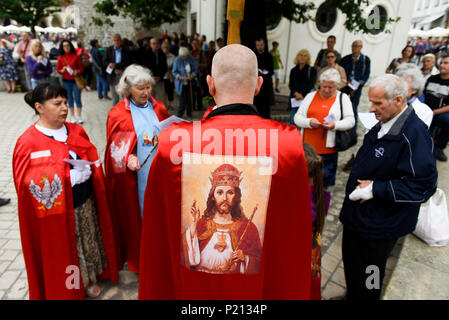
[285, 266]
[121, 183]
[48, 229]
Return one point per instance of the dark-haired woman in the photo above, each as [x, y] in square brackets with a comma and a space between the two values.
[65, 225]
[320, 205]
[69, 66]
[407, 57]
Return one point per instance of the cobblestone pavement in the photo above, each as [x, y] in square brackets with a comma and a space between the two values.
[17, 117]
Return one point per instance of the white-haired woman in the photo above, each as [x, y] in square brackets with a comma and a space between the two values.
[319, 117]
[428, 66]
[415, 80]
[185, 70]
[132, 130]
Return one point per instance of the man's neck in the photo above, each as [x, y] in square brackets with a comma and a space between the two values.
[356, 56]
[220, 102]
[444, 76]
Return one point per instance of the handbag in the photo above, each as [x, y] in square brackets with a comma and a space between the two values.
[433, 221]
[345, 139]
[81, 83]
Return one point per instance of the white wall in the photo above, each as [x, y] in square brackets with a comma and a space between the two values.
[293, 37]
[381, 48]
[425, 9]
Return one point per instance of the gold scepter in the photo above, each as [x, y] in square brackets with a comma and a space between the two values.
[230, 263]
[155, 144]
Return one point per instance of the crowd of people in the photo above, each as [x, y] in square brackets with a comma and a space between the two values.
[71, 212]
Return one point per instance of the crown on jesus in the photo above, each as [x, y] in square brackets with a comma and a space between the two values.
[226, 175]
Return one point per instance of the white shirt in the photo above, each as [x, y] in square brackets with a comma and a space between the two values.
[385, 127]
[423, 111]
[58, 134]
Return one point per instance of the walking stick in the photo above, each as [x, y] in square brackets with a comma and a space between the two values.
[230, 263]
[191, 95]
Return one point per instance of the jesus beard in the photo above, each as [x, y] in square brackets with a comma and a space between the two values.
[224, 208]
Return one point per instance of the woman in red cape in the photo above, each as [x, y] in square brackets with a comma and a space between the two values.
[65, 225]
[123, 159]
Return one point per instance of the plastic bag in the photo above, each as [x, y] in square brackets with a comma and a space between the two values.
[433, 221]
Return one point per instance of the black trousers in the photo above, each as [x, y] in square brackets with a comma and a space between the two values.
[186, 101]
[364, 264]
[169, 89]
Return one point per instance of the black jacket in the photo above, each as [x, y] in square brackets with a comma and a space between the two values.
[109, 57]
[404, 172]
[157, 63]
[302, 81]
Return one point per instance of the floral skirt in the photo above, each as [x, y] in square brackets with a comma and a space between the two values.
[316, 267]
[91, 254]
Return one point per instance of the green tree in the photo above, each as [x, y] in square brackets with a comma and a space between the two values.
[148, 13]
[28, 12]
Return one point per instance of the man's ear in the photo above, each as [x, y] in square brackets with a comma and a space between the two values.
[398, 100]
[211, 84]
[259, 85]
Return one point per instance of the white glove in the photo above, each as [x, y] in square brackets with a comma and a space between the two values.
[362, 194]
[80, 175]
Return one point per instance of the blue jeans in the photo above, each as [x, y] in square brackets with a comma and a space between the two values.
[442, 122]
[72, 89]
[34, 83]
[102, 85]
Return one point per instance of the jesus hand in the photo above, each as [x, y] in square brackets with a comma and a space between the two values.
[237, 255]
[196, 213]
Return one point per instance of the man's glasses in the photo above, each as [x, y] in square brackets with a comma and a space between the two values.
[330, 57]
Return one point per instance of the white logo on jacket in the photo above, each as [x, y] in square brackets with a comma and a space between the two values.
[379, 152]
[119, 153]
[49, 192]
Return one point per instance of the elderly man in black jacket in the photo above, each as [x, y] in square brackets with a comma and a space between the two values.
[116, 59]
[393, 173]
[157, 63]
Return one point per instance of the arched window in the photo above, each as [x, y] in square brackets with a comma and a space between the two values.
[377, 20]
[326, 16]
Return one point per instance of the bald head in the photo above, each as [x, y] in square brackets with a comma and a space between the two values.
[234, 70]
[357, 48]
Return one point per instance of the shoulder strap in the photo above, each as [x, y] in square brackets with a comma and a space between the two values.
[341, 105]
[364, 65]
[63, 57]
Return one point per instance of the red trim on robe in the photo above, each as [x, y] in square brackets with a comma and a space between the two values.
[48, 236]
[122, 186]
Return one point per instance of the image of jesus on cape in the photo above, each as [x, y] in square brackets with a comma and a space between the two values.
[223, 240]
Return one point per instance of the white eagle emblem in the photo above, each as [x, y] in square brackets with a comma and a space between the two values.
[119, 153]
[49, 192]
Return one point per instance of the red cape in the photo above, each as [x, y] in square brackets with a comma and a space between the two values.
[122, 183]
[285, 270]
[48, 234]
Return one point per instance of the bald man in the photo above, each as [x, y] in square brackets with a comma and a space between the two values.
[196, 244]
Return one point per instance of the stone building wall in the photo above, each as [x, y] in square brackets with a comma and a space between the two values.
[124, 26]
